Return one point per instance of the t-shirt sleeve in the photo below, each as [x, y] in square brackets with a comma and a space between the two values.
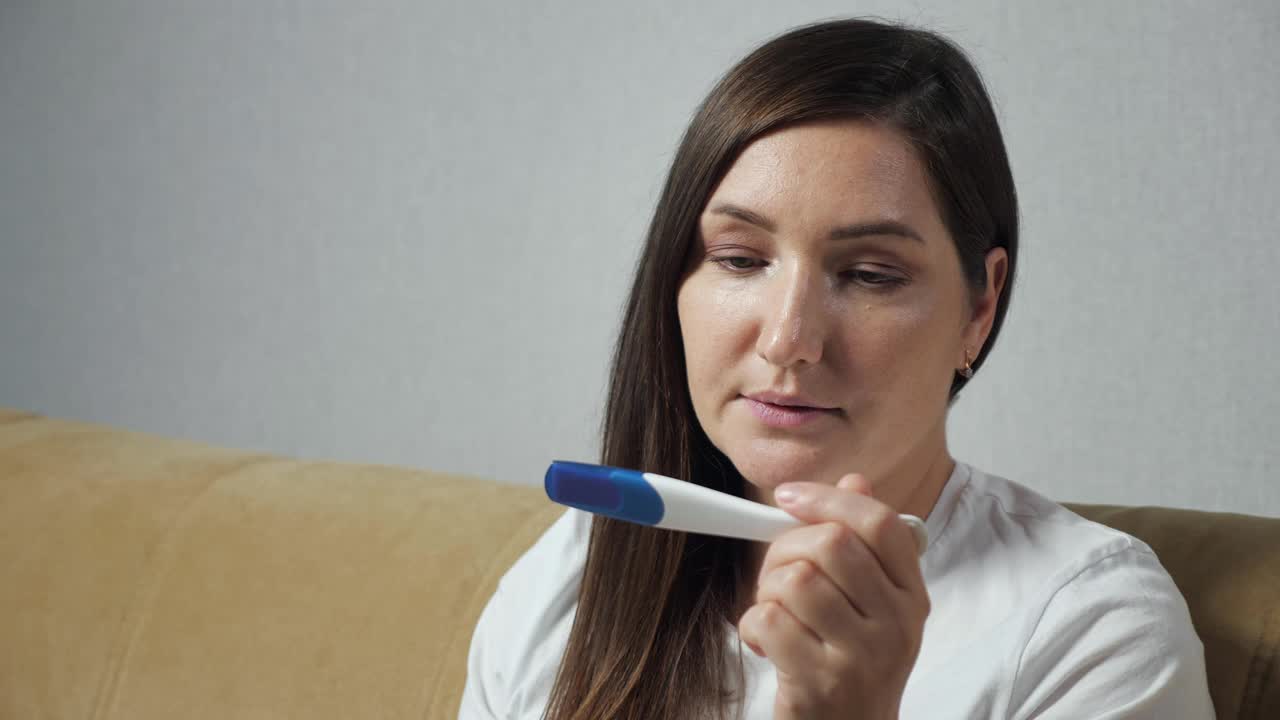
[518, 641]
[483, 693]
[1113, 641]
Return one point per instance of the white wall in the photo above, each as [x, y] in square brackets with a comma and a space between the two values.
[401, 232]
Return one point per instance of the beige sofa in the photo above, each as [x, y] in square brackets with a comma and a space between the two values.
[142, 577]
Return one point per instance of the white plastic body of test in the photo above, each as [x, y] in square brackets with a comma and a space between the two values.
[694, 508]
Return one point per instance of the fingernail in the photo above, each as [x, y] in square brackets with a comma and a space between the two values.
[786, 494]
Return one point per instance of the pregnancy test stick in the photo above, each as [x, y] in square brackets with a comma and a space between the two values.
[664, 502]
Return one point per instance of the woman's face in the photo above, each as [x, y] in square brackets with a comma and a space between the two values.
[825, 313]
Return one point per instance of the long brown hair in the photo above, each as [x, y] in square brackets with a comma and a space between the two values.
[654, 608]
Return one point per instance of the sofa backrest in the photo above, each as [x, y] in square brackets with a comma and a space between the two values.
[143, 577]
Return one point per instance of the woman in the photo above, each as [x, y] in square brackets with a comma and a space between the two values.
[829, 262]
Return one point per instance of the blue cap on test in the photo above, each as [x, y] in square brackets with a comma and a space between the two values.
[603, 490]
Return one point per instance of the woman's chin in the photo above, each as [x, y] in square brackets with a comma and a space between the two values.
[766, 465]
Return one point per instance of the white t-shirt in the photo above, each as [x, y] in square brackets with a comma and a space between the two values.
[1036, 613]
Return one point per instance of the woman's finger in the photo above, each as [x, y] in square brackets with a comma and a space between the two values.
[877, 524]
[813, 598]
[790, 645]
[844, 561]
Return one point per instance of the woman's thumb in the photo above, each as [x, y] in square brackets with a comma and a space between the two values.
[855, 482]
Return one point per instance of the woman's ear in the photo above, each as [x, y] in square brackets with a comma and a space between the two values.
[984, 307]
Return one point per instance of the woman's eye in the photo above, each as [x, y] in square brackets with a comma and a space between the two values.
[736, 263]
[870, 277]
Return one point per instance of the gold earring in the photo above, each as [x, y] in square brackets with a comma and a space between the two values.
[967, 371]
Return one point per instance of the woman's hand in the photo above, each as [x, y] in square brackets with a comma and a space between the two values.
[840, 604]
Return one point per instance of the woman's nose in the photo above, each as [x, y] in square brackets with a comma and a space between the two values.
[793, 329]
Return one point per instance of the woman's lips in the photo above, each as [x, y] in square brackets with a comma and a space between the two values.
[784, 416]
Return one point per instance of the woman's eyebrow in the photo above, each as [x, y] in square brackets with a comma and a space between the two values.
[745, 215]
[891, 228]
[845, 232]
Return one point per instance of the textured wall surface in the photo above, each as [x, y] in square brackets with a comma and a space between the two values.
[402, 232]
